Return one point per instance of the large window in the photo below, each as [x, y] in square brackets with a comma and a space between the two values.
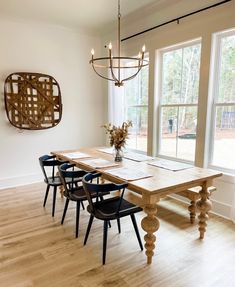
[136, 109]
[179, 86]
[223, 115]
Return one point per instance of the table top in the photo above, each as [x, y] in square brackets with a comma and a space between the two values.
[162, 181]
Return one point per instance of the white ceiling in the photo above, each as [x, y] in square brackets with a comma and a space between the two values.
[83, 14]
[93, 15]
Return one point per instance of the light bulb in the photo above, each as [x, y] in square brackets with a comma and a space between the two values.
[110, 46]
[143, 49]
[92, 52]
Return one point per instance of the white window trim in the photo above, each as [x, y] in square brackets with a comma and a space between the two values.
[213, 90]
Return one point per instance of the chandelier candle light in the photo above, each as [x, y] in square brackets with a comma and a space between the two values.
[115, 64]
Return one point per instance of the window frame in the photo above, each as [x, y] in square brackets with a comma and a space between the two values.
[159, 106]
[214, 90]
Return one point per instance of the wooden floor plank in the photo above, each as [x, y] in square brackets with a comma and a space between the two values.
[36, 250]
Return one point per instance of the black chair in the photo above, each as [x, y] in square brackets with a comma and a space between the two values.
[108, 209]
[73, 191]
[49, 165]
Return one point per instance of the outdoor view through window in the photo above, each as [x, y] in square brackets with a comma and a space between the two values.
[224, 102]
[136, 109]
[178, 100]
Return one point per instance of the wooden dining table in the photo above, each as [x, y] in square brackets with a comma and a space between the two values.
[158, 183]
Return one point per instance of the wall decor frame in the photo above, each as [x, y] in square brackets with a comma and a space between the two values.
[32, 101]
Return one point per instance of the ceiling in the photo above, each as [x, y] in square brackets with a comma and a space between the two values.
[94, 15]
[83, 14]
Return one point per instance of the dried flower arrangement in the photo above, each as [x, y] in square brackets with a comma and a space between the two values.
[118, 135]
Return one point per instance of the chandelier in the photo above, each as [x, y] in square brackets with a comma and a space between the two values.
[115, 65]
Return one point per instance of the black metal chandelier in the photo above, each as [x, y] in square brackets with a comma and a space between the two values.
[114, 65]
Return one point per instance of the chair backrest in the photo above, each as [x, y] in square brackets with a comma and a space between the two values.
[70, 177]
[49, 161]
[98, 188]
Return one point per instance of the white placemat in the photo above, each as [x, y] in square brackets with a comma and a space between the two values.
[128, 173]
[75, 155]
[169, 164]
[99, 163]
[108, 150]
[137, 156]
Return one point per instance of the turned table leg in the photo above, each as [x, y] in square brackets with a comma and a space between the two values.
[192, 211]
[60, 187]
[150, 224]
[203, 205]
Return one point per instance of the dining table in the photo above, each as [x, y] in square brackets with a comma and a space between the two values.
[149, 181]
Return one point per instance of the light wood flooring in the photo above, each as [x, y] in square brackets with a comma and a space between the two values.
[35, 250]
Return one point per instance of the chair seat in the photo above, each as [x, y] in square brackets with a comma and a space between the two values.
[79, 194]
[106, 209]
[54, 181]
[76, 194]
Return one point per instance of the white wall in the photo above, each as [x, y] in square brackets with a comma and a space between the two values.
[201, 25]
[64, 54]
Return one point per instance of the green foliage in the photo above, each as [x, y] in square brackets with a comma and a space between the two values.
[180, 79]
[227, 70]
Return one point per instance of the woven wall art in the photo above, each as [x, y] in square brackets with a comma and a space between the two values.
[32, 101]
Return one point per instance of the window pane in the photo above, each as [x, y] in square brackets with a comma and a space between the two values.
[138, 133]
[144, 75]
[180, 81]
[187, 133]
[227, 71]
[136, 109]
[132, 92]
[224, 139]
[136, 90]
[172, 74]
[190, 74]
[168, 131]
[180, 87]
[178, 135]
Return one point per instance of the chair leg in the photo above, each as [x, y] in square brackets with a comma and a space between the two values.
[65, 210]
[119, 225]
[105, 235]
[46, 195]
[54, 200]
[109, 223]
[88, 229]
[77, 218]
[82, 205]
[136, 230]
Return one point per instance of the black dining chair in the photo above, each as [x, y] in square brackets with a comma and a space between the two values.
[73, 191]
[49, 165]
[109, 209]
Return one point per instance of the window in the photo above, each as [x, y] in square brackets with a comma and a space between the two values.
[223, 114]
[136, 109]
[178, 100]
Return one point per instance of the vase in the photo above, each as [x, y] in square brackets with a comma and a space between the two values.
[118, 154]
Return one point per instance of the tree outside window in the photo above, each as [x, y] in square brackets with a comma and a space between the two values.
[136, 109]
[179, 100]
[223, 116]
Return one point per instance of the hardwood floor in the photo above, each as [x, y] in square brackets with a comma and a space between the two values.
[35, 250]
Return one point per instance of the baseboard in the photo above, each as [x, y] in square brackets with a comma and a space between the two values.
[20, 180]
[218, 208]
